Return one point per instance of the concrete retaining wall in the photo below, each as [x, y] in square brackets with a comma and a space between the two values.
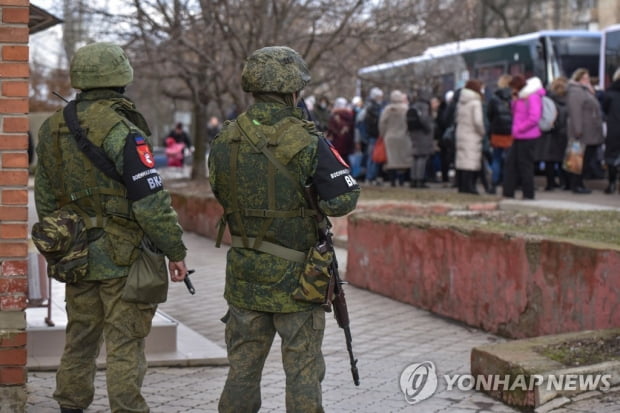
[201, 213]
[506, 285]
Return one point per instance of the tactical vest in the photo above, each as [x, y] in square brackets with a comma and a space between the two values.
[100, 200]
[263, 207]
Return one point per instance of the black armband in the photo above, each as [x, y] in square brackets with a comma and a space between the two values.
[332, 176]
[139, 173]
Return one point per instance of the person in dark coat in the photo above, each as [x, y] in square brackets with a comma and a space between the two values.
[321, 113]
[551, 146]
[611, 107]
[420, 125]
[341, 128]
[499, 114]
[446, 150]
[180, 136]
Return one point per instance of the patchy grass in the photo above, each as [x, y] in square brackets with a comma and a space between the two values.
[448, 195]
[587, 226]
[584, 352]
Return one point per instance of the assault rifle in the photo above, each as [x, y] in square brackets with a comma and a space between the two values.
[334, 296]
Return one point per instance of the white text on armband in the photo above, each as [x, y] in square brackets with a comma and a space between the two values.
[143, 174]
[339, 173]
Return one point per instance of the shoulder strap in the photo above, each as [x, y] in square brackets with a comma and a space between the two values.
[92, 152]
[260, 144]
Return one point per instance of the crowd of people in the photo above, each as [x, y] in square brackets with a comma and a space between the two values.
[500, 139]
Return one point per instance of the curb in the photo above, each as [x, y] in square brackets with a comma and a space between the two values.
[546, 384]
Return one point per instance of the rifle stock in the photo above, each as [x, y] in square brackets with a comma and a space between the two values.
[334, 296]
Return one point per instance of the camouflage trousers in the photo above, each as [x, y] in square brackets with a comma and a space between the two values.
[249, 335]
[96, 313]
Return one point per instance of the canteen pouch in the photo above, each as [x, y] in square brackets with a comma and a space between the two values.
[122, 240]
[314, 280]
[62, 239]
[147, 282]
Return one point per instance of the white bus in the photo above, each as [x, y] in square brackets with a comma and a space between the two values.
[546, 54]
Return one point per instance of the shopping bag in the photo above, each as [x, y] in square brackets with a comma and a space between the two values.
[379, 154]
[573, 158]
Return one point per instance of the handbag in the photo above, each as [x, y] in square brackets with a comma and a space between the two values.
[573, 157]
[379, 154]
[147, 282]
[501, 141]
[448, 139]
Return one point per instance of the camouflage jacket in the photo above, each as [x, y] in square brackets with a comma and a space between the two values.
[260, 203]
[117, 214]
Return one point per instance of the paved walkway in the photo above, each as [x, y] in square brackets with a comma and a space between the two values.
[387, 337]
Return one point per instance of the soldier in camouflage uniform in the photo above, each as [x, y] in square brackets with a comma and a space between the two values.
[272, 229]
[117, 216]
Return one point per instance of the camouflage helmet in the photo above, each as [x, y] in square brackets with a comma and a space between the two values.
[278, 69]
[100, 65]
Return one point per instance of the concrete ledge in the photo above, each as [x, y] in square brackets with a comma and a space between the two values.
[546, 382]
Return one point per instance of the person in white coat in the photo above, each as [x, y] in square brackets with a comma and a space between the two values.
[470, 132]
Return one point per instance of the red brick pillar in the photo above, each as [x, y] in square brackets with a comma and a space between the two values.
[14, 80]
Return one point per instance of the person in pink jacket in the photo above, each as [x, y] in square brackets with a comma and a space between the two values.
[526, 112]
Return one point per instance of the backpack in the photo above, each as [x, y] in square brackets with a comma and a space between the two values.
[549, 114]
[414, 120]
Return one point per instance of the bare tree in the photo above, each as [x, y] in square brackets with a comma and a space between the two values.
[195, 50]
[190, 53]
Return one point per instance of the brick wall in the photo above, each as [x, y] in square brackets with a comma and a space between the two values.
[14, 80]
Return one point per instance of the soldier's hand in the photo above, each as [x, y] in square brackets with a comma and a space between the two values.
[177, 270]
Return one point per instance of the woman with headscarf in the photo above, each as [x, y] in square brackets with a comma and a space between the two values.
[393, 128]
[585, 122]
[340, 128]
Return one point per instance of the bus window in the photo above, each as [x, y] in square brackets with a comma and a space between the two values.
[611, 55]
[489, 75]
[574, 52]
[516, 69]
